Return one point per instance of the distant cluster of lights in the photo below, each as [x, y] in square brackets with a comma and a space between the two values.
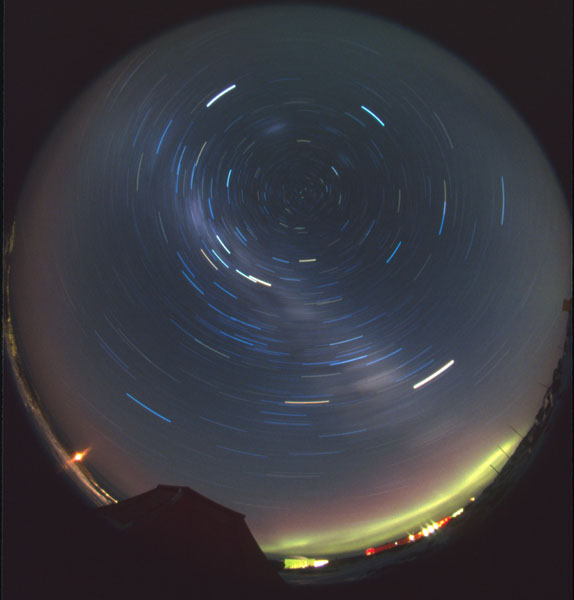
[413, 537]
[303, 563]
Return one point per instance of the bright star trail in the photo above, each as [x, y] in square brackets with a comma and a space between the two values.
[317, 278]
[433, 375]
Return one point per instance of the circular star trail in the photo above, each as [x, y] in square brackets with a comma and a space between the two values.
[300, 260]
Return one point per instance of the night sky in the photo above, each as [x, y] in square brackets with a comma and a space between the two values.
[306, 263]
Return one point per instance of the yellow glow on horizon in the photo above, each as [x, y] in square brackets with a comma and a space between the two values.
[354, 538]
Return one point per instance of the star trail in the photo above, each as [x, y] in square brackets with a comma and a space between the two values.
[314, 273]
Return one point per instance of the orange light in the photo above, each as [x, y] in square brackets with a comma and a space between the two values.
[79, 456]
[369, 551]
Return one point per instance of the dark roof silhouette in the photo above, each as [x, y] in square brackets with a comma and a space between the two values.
[180, 542]
[142, 510]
